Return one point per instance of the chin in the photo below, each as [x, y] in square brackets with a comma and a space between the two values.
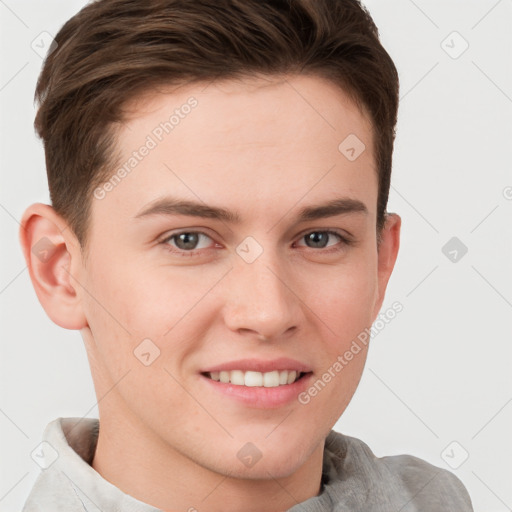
[268, 467]
[277, 458]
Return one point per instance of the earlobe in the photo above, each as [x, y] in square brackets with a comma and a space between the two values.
[49, 254]
[387, 254]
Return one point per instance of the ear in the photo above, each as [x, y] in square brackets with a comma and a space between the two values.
[52, 254]
[387, 254]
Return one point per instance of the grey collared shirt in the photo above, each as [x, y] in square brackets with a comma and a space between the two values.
[353, 478]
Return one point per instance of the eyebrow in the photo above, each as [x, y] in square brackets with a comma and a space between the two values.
[176, 206]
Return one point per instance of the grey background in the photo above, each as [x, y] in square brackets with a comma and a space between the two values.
[439, 373]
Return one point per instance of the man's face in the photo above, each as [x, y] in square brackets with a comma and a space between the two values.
[171, 297]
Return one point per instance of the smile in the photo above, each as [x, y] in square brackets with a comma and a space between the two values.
[256, 379]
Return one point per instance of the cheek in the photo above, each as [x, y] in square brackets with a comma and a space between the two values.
[115, 303]
[139, 300]
[344, 297]
[158, 296]
[130, 350]
[156, 311]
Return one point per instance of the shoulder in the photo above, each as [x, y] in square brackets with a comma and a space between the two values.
[419, 484]
[429, 483]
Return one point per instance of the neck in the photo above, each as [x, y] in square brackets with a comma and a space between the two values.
[142, 465]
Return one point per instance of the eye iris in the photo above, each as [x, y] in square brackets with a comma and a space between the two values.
[190, 240]
[318, 237]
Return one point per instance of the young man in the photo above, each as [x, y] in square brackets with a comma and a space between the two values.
[219, 173]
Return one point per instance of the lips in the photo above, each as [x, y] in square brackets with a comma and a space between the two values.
[258, 373]
[260, 390]
[261, 366]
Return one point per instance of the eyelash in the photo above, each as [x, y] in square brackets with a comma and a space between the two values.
[345, 242]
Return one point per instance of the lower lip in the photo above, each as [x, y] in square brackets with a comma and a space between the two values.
[261, 397]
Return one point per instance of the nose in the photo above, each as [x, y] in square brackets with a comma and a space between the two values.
[260, 303]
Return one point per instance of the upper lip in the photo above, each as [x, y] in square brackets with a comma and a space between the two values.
[259, 365]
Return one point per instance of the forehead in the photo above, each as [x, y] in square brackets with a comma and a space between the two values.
[245, 142]
[318, 102]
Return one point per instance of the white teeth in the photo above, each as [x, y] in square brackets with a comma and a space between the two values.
[271, 379]
[237, 377]
[256, 379]
[252, 379]
[292, 376]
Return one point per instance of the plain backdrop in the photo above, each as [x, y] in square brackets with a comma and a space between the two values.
[437, 383]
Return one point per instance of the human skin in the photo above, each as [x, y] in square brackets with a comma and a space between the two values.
[265, 148]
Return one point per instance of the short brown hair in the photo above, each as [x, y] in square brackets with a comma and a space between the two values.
[114, 50]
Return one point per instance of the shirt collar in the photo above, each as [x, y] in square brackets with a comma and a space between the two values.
[70, 483]
[68, 453]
